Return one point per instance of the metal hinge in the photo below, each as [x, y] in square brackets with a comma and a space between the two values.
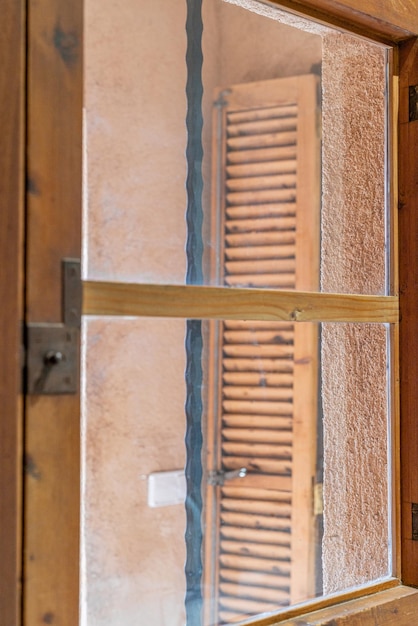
[413, 103]
[218, 478]
[53, 349]
[414, 511]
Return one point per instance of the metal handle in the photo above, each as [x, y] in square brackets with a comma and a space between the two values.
[218, 478]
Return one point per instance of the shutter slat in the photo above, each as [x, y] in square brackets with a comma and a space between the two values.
[246, 493]
[282, 251]
[267, 281]
[258, 393]
[257, 450]
[258, 422]
[248, 211]
[258, 365]
[249, 607]
[282, 181]
[261, 196]
[260, 224]
[260, 154]
[257, 435]
[261, 239]
[262, 127]
[254, 325]
[270, 566]
[261, 465]
[255, 379]
[256, 351]
[255, 578]
[259, 336]
[251, 115]
[255, 535]
[261, 169]
[257, 507]
[248, 591]
[269, 140]
[256, 521]
[278, 266]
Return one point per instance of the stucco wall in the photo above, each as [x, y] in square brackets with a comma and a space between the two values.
[354, 357]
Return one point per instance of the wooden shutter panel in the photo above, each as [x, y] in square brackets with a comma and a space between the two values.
[259, 550]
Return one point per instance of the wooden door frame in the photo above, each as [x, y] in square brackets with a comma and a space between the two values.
[54, 156]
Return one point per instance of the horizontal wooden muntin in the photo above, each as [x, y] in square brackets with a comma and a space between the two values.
[204, 302]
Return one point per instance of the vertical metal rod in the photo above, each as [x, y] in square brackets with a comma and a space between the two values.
[194, 251]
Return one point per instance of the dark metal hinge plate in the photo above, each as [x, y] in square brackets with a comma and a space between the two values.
[53, 349]
[413, 103]
[52, 359]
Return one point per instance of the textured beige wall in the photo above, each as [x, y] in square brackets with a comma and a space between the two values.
[133, 555]
[353, 201]
[135, 425]
[135, 101]
[355, 545]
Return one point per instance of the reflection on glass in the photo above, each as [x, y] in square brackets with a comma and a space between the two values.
[295, 470]
[260, 549]
[294, 415]
[294, 124]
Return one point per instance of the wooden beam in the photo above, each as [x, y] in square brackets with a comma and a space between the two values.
[408, 336]
[384, 20]
[52, 446]
[12, 184]
[196, 302]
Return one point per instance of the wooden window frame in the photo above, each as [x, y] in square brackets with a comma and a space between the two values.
[53, 39]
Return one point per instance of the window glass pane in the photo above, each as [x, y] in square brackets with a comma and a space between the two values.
[291, 188]
[295, 491]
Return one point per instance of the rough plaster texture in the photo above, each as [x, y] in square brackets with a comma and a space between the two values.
[134, 554]
[355, 545]
[353, 131]
[135, 101]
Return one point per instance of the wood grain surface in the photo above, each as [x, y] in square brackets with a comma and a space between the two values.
[52, 492]
[196, 302]
[12, 182]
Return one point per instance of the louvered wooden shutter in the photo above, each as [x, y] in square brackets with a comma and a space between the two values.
[259, 550]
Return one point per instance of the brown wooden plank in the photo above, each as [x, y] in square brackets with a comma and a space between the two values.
[384, 20]
[408, 278]
[54, 155]
[12, 185]
[105, 298]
